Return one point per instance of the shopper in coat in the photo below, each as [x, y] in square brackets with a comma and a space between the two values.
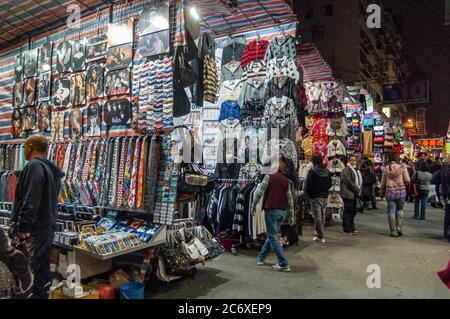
[318, 183]
[393, 185]
[35, 209]
[410, 167]
[435, 182]
[444, 175]
[351, 182]
[422, 179]
[369, 180]
[277, 191]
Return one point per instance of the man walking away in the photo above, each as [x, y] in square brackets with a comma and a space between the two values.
[35, 210]
[435, 169]
[277, 191]
[318, 184]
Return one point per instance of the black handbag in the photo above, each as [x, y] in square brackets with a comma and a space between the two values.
[183, 71]
[177, 262]
[192, 179]
[181, 103]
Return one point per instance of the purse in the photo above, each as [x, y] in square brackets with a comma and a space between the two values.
[177, 262]
[192, 179]
[183, 71]
[212, 245]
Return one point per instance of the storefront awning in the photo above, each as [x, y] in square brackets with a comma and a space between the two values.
[223, 19]
[315, 68]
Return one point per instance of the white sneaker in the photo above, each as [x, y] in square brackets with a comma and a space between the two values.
[323, 240]
[283, 269]
[261, 263]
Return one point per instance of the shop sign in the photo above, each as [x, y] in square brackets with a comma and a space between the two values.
[410, 93]
[431, 143]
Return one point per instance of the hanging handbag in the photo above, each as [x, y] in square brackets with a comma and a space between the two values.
[192, 179]
[181, 103]
[183, 71]
[212, 245]
[177, 262]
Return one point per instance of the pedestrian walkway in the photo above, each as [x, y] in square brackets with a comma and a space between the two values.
[338, 268]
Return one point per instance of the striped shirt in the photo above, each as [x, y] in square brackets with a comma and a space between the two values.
[254, 51]
[255, 70]
[210, 79]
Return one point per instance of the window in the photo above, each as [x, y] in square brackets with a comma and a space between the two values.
[309, 13]
[317, 34]
[329, 9]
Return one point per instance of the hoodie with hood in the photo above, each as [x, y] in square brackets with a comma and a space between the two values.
[36, 197]
[395, 177]
[318, 182]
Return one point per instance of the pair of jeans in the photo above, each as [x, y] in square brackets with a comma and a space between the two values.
[348, 219]
[395, 208]
[420, 205]
[318, 209]
[274, 219]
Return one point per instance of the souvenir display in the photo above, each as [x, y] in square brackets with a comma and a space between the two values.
[17, 94]
[63, 57]
[96, 48]
[57, 126]
[154, 18]
[18, 67]
[43, 117]
[45, 57]
[16, 123]
[76, 123]
[154, 43]
[117, 82]
[120, 32]
[119, 57]
[94, 113]
[117, 112]
[29, 91]
[29, 118]
[78, 55]
[44, 86]
[61, 92]
[77, 89]
[94, 81]
[30, 64]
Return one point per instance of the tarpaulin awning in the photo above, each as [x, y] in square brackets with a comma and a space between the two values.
[315, 68]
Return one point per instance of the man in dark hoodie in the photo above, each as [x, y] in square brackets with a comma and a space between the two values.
[318, 184]
[35, 210]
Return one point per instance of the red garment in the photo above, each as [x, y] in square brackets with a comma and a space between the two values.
[276, 193]
[445, 275]
[12, 187]
[301, 96]
[254, 51]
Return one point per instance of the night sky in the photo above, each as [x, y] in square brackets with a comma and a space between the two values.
[427, 44]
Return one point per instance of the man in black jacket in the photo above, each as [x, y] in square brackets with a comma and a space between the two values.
[318, 184]
[35, 210]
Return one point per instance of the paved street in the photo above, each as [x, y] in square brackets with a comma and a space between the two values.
[336, 269]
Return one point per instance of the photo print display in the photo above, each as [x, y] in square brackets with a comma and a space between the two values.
[44, 86]
[16, 123]
[61, 92]
[154, 18]
[29, 91]
[117, 112]
[30, 63]
[94, 114]
[77, 89]
[63, 57]
[119, 57]
[18, 67]
[43, 118]
[117, 82]
[29, 118]
[45, 57]
[57, 126]
[154, 43]
[96, 48]
[94, 81]
[18, 94]
[76, 123]
[78, 56]
[120, 32]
